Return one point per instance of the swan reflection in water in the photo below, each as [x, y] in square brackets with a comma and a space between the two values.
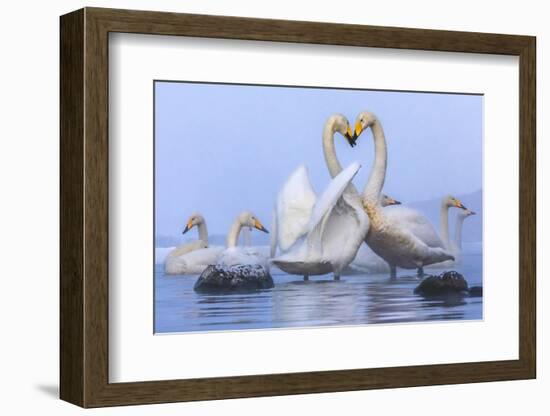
[354, 300]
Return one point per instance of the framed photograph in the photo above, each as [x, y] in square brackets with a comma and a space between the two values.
[255, 207]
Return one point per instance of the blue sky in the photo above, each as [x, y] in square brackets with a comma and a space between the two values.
[221, 149]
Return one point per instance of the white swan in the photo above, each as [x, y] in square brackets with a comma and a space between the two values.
[194, 257]
[333, 233]
[456, 244]
[297, 198]
[446, 203]
[237, 268]
[234, 255]
[398, 246]
[366, 260]
[416, 223]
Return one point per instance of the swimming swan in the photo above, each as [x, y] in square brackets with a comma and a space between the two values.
[194, 257]
[415, 222]
[237, 268]
[366, 260]
[398, 246]
[333, 232]
[234, 255]
[456, 244]
[295, 202]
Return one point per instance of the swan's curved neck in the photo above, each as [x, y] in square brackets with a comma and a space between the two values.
[329, 150]
[274, 233]
[458, 230]
[334, 166]
[233, 236]
[247, 236]
[444, 223]
[203, 232]
[377, 176]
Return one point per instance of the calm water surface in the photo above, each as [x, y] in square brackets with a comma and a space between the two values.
[354, 300]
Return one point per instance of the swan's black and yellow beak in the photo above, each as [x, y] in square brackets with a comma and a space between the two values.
[258, 225]
[392, 201]
[459, 204]
[349, 136]
[357, 132]
[188, 226]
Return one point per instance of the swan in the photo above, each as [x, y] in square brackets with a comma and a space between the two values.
[297, 198]
[194, 257]
[446, 203]
[333, 232]
[237, 268]
[234, 255]
[388, 201]
[398, 246]
[456, 244]
[246, 236]
[415, 222]
[366, 261]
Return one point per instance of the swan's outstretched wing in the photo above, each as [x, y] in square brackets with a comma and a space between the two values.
[331, 195]
[336, 229]
[414, 222]
[338, 215]
[293, 208]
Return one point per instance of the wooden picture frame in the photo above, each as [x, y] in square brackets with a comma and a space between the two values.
[84, 207]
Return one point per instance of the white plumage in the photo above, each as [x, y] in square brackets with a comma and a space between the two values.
[238, 256]
[192, 258]
[389, 238]
[456, 244]
[335, 229]
[234, 256]
[294, 207]
[415, 222]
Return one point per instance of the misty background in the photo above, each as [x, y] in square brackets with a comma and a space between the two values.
[221, 149]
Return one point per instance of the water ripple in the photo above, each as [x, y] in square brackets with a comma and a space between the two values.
[354, 300]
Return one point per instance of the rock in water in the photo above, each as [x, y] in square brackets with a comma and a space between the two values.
[447, 283]
[239, 278]
[476, 291]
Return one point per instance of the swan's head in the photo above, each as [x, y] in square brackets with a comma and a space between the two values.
[248, 219]
[386, 201]
[341, 125]
[450, 201]
[364, 120]
[466, 213]
[193, 220]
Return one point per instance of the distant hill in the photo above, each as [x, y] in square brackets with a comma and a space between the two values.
[472, 231]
